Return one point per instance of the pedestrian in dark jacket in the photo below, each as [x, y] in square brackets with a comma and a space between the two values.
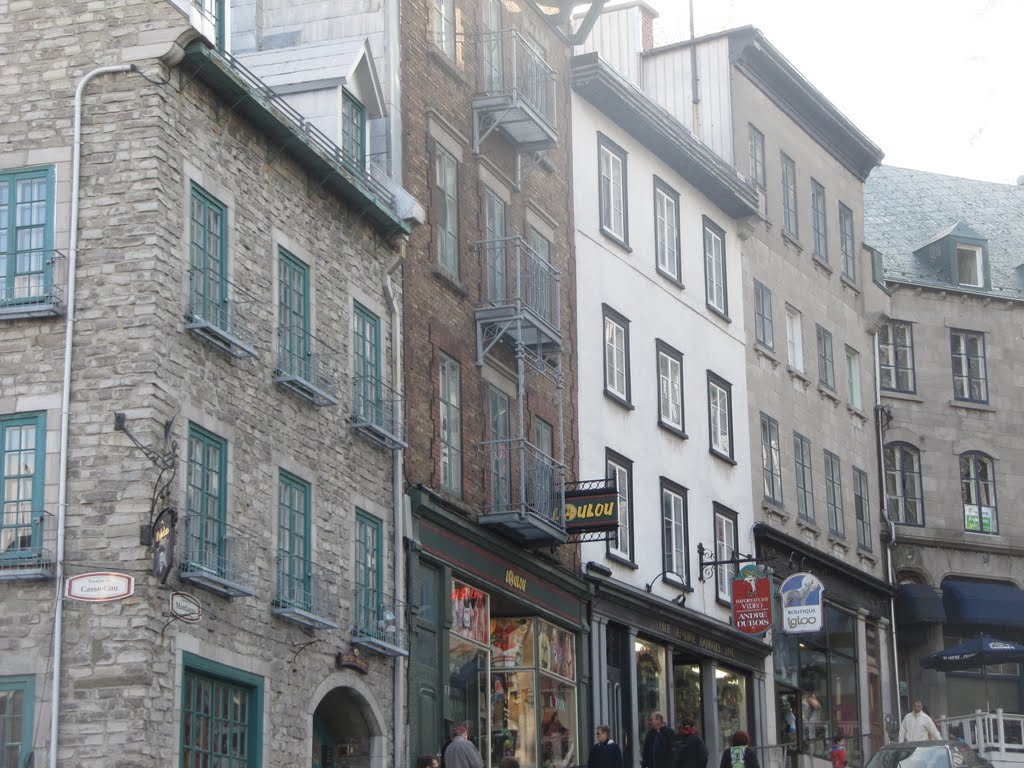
[605, 753]
[740, 754]
[690, 749]
[657, 743]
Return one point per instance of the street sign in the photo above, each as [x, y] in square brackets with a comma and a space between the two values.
[185, 607]
[752, 600]
[99, 587]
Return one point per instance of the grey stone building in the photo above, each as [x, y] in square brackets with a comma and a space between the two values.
[950, 377]
[198, 329]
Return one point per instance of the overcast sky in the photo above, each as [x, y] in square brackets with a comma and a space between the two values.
[937, 84]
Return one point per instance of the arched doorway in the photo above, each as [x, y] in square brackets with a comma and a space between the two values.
[346, 732]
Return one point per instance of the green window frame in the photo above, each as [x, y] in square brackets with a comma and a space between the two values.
[26, 235]
[208, 257]
[17, 707]
[221, 715]
[293, 316]
[294, 552]
[206, 500]
[450, 382]
[353, 130]
[22, 467]
[366, 362]
[369, 575]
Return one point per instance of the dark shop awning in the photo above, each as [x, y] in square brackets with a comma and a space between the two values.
[978, 603]
[919, 604]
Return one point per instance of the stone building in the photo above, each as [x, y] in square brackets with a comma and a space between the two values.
[198, 295]
[950, 379]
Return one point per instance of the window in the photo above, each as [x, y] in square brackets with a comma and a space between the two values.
[834, 495]
[804, 478]
[674, 530]
[294, 573]
[26, 236]
[819, 223]
[755, 153]
[715, 285]
[969, 266]
[221, 715]
[970, 379]
[896, 356]
[846, 245]
[450, 378]
[366, 360]
[826, 365]
[904, 496]
[725, 549]
[206, 501]
[369, 573]
[764, 327]
[862, 509]
[492, 45]
[720, 416]
[620, 469]
[208, 258]
[23, 455]
[616, 356]
[670, 387]
[771, 460]
[666, 228]
[213, 11]
[494, 235]
[612, 189]
[542, 487]
[17, 706]
[293, 314]
[978, 489]
[789, 220]
[795, 339]
[853, 377]
[446, 178]
[541, 283]
[444, 26]
[353, 130]
[501, 459]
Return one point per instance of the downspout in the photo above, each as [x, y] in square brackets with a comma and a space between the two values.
[398, 500]
[65, 405]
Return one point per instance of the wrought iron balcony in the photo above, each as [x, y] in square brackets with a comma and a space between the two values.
[380, 623]
[34, 284]
[218, 557]
[307, 594]
[27, 545]
[526, 493]
[378, 412]
[515, 92]
[306, 367]
[225, 323]
[521, 297]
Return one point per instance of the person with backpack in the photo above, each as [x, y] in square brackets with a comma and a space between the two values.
[740, 754]
[689, 749]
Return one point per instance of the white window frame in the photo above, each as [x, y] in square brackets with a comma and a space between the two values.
[716, 285]
[620, 469]
[612, 198]
[853, 387]
[675, 547]
[443, 23]
[795, 338]
[977, 254]
[725, 549]
[670, 387]
[616, 355]
[666, 230]
[720, 417]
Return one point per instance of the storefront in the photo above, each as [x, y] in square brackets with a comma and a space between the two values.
[498, 644]
[651, 654]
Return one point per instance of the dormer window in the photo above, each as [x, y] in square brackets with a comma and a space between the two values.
[969, 268]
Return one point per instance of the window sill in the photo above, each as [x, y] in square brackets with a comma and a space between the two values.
[857, 413]
[822, 265]
[798, 376]
[677, 582]
[848, 283]
[897, 395]
[619, 401]
[808, 527]
[615, 557]
[450, 282]
[791, 239]
[774, 511]
[829, 394]
[719, 313]
[675, 281]
[722, 457]
[673, 430]
[970, 405]
[609, 235]
[838, 543]
[866, 557]
[441, 59]
[762, 351]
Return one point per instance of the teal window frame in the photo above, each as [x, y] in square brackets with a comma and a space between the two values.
[9, 688]
[208, 256]
[23, 512]
[242, 690]
[450, 385]
[353, 129]
[293, 315]
[26, 268]
[446, 181]
[369, 572]
[366, 363]
[207, 531]
[294, 550]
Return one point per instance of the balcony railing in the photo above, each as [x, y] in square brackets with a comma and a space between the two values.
[225, 323]
[992, 734]
[378, 412]
[526, 492]
[27, 545]
[515, 274]
[380, 623]
[37, 285]
[307, 594]
[218, 557]
[306, 367]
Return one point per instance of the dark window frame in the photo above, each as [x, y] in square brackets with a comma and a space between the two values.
[764, 322]
[847, 243]
[901, 473]
[716, 380]
[680, 580]
[895, 367]
[804, 475]
[834, 506]
[663, 348]
[862, 508]
[661, 187]
[720, 510]
[605, 143]
[819, 222]
[790, 212]
[826, 358]
[773, 468]
[970, 376]
[612, 550]
[608, 313]
[974, 457]
[709, 227]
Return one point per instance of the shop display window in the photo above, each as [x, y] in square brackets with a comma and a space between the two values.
[731, 695]
[558, 723]
[471, 616]
[466, 700]
[688, 693]
[651, 681]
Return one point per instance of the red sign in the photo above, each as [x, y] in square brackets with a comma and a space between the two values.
[752, 603]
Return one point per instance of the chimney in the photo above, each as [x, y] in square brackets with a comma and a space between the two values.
[647, 17]
[1020, 181]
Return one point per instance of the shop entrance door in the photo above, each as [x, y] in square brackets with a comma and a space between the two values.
[620, 706]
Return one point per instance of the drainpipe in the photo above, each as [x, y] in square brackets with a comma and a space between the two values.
[65, 405]
[398, 499]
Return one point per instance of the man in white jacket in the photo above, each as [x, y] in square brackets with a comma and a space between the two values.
[917, 726]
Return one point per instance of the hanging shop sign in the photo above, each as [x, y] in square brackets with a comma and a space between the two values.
[99, 587]
[803, 597]
[752, 600]
[163, 544]
[185, 607]
[592, 509]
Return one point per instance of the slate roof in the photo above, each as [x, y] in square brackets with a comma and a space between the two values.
[906, 209]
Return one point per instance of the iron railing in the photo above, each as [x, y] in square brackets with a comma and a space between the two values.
[225, 323]
[307, 593]
[378, 411]
[36, 285]
[521, 478]
[218, 556]
[511, 67]
[27, 544]
[306, 366]
[380, 623]
[515, 274]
